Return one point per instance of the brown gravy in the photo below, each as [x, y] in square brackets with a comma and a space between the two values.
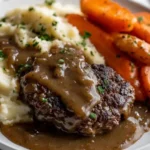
[63, 68]
[65, 71]
[38, 137]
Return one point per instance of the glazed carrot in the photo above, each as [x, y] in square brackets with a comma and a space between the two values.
[142, 27]
[109, 14]
[135, 47]
[114, 58]
[145, 75]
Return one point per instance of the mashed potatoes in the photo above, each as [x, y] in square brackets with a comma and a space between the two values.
[40, 26]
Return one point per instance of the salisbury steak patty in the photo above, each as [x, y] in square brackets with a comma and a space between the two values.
[117, 98]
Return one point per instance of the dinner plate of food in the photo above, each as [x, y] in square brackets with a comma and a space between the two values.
[74, 75]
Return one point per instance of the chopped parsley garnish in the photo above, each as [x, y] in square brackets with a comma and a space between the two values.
[49, 2]
[61, 61]
[65, 51]
[3, 19]
[140, 19]
[54, 14]
[23, 67]
[62, 51]
[106, 82]
[21, 26]
[4, 69]
[27, 45]
[100, 89]
[35, 43]
[31, 9]
[86, 35]
[83, 43]
[2, 55]
[92, 53]
[42, 28]
[0, 25]
[46, 37]
[93, 116]
[14, 91]
[54, 23]
[44, 100]
[21, 40]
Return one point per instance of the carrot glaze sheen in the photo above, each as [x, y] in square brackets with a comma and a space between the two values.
[114, 58]
[145, 76]
[133, 46]
[142, 27]
[109, 14]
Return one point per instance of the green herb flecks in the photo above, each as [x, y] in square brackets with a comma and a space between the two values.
[44, 100]
[100, 89]
[27, 45]
[4, 69]
[54, 14]
[35, 43]
[46, 37]
[83, 43]
[106, 83]
[54, 23]
[61, 61]
[86, 35]
[14, 91]
[140, 19]
[93, 116]
[2, 55]
[62, 51]
[49, 2]
[23, 67]
[31, 9]
[42, 28]
[0, 25]
[92, 53]
[22, 26]
[3, 19]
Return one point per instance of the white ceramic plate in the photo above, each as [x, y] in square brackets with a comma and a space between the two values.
[5, 144]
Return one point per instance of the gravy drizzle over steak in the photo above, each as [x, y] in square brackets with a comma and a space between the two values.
[65, 72]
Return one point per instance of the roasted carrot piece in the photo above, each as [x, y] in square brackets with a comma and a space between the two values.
[145, 76]
[114, 58]
[135, 47]
[142, 27]
[109, 14]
